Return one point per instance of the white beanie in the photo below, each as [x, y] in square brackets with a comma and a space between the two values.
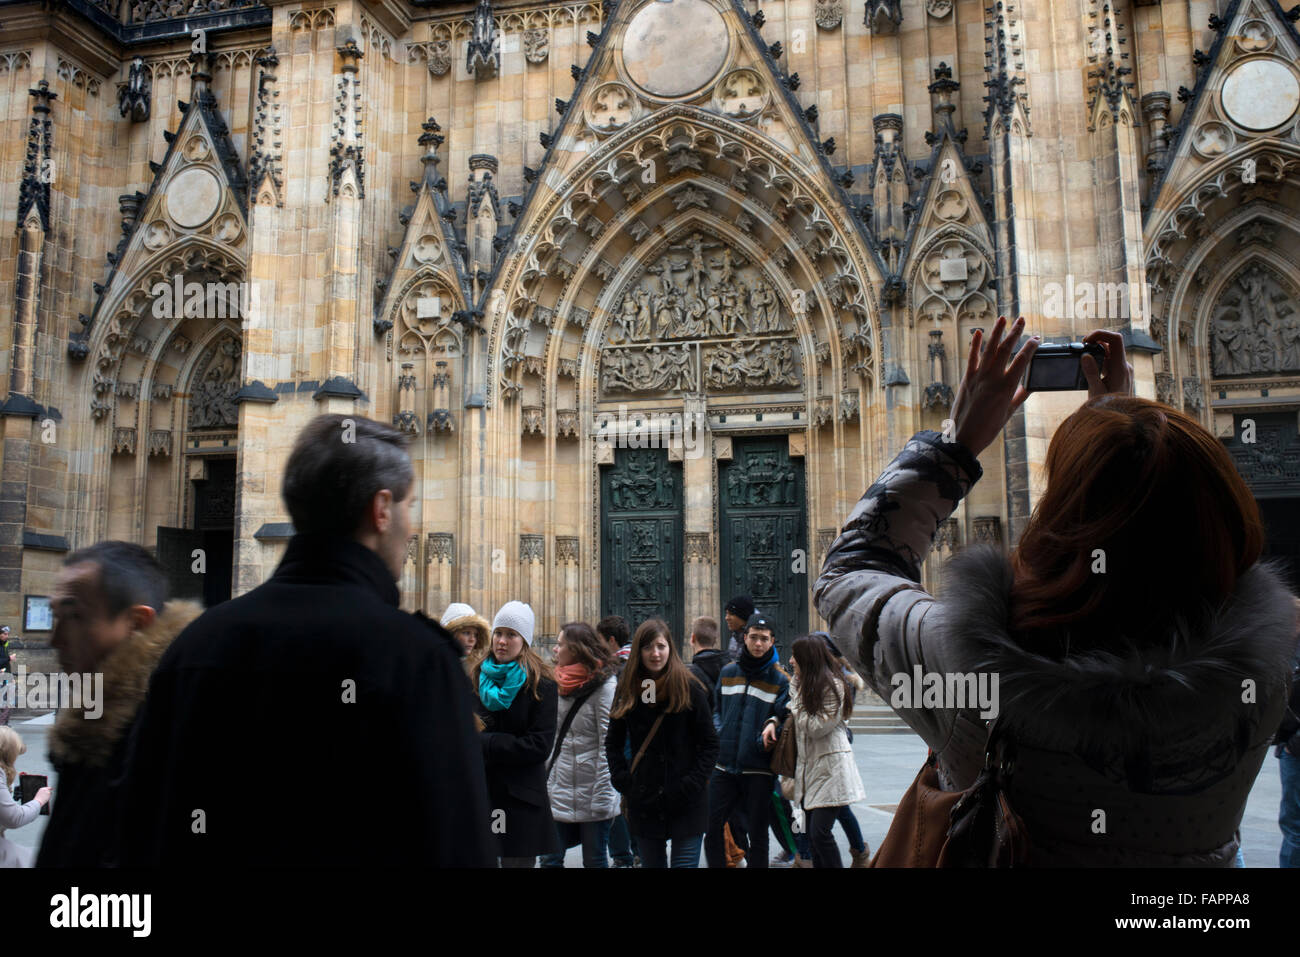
[516, 615]
[456, 610]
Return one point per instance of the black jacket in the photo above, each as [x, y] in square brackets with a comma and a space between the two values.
[517, 745]
[313, 724]
[707, 665]
[667, 798]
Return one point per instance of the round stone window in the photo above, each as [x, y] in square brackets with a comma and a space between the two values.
[676, 48]
[1261, 94]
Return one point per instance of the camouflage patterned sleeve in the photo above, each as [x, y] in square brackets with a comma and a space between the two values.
[869, 591]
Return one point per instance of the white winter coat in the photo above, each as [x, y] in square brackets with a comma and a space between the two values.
[579, 784]
[825, 773]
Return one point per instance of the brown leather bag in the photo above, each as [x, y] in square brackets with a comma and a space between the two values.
[976, 827]
[785, 754]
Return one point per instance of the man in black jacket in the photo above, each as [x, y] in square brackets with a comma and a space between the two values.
[737, 613]
[706, 659]
[310, 722]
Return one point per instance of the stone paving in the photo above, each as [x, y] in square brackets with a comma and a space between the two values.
[887, 762]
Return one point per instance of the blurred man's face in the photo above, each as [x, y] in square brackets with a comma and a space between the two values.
[733, 622]
[392, 541]
[84, 632]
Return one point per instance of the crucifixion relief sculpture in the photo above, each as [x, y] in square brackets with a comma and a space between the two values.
[676, 326]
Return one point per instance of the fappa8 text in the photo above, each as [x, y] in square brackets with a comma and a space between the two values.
[1220, 897]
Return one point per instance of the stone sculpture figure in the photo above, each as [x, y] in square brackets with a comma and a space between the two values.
[642, 326]
[713, 317]
[1290, 327]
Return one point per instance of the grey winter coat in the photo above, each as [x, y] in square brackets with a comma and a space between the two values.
[579, 784]
[1144, 760]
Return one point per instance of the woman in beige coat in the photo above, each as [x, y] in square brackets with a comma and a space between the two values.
[826, 777]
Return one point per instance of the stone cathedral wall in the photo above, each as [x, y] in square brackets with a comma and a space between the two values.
[426, 239]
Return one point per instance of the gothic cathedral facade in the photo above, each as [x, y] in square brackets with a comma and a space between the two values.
[656, 287]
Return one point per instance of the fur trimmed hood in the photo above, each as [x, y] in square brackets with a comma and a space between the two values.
[126, 670]
[1094, 701]
[481, 628]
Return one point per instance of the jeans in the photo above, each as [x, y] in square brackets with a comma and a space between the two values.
[592, 835]
[685, 853]
[820, 821]
[852, 830]
[1289, 817]
[754, 792]
[620, 842]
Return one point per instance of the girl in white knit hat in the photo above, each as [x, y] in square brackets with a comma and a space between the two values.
[517, 703]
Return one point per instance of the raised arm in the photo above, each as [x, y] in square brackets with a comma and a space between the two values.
[869, 591]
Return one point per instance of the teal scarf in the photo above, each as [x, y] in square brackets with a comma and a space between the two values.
[498, 684]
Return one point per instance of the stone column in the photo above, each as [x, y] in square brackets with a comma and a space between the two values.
[439, 581]
[700, 568]
[569, 600]
[347, 188]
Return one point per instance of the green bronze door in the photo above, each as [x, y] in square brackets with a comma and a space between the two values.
[641, 555]
[763, 533]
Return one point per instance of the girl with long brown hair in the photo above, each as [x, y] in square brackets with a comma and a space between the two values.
[1114, 647]
[826, 778]
[663, 712]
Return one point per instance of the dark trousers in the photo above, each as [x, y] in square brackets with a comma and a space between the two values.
[620, 842]
[819, 821]
[753, 793]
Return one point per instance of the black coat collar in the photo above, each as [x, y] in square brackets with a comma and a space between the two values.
[316, 558]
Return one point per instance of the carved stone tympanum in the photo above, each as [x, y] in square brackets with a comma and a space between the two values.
[212, 404]
[1256, 326]
[699, 315]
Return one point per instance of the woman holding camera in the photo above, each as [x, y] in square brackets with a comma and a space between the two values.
[13, 814]
[1140, 647]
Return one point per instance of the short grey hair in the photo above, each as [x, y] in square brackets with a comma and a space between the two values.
[337, 465]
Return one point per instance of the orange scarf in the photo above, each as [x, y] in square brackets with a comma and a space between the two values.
[572, 677]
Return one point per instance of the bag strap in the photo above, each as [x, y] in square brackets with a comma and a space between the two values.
[564, 728]
[654, 729]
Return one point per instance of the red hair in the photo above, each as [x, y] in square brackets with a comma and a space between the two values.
[1160, 497]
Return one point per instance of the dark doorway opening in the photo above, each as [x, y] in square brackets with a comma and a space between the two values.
[200, 561]
[1282, 530]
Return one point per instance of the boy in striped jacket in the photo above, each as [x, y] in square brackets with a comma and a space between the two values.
[749, 692]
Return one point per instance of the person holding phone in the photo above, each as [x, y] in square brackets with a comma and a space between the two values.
[13, 814]
[517, 704]
[663, 715]
[1121, 629]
